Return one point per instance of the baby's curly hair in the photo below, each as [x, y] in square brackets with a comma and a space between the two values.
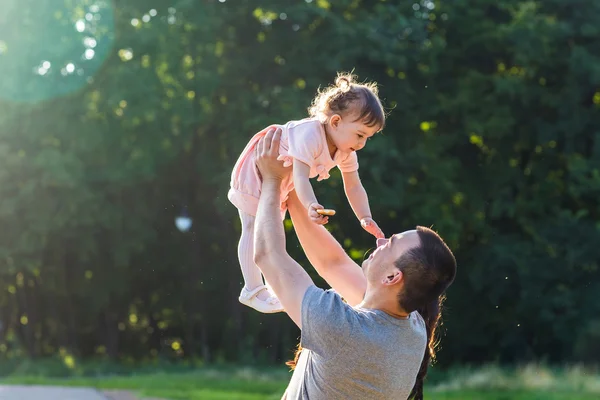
[345, 97]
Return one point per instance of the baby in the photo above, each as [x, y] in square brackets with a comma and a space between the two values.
[342, 118]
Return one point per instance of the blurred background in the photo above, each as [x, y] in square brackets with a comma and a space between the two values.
[120, 122]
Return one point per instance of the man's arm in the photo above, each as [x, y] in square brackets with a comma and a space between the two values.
[327, 256]
[286, 277]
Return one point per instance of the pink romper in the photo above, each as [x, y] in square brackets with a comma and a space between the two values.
[303, 140]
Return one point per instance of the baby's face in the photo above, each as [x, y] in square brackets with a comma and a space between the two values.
[349, 135]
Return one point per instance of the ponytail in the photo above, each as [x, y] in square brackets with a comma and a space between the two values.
[292, 363]
[431, 314]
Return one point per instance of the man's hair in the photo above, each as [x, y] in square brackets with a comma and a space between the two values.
[428, 270]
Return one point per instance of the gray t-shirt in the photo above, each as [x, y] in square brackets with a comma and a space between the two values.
[353, 353]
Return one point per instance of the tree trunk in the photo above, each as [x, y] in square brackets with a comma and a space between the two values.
[71, 317]
[111, 322]
[193, 297]
[25, 309]
[238, 320]
[188, 323]
[206, 354]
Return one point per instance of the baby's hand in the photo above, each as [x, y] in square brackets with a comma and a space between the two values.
[371, 226]
[315, 216]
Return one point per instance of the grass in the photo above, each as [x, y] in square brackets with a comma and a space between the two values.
[206, 384]
[530, 382]
[509, 395]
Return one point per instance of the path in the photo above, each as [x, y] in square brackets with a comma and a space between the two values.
[21, 392]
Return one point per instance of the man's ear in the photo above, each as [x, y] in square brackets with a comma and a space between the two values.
[394, 278]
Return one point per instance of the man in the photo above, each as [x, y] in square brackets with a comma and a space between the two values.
[374, 347]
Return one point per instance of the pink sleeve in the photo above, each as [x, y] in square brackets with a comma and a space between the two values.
[350, 163]
[305, 143]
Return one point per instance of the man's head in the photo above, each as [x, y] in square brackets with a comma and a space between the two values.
[410, 272]
[414, 266]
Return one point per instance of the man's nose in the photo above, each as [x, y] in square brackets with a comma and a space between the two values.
[381, 242]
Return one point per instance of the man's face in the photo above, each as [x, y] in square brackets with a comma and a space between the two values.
[388, 251]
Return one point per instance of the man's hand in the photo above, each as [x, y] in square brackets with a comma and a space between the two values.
[371, 226]
[267, 151]
[315, 216]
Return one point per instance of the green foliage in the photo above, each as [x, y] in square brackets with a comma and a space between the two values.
[493, 139]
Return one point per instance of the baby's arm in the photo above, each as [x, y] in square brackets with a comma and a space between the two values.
[306, 193]
[359, 201]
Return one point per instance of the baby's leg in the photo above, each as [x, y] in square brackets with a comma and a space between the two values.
[252, 275]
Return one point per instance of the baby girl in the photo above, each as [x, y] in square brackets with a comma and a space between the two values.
[343, 118]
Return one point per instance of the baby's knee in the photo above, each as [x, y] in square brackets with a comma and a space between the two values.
[247, 223]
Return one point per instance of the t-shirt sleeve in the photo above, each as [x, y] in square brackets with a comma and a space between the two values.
[305, 143]
[326, 322]
[350, 163]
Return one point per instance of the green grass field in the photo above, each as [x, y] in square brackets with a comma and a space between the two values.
[490, 383]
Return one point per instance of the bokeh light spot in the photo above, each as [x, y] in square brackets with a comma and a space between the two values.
[45, 39]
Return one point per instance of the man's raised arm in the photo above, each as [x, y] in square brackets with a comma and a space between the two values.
[286, 277]
[326, 255]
